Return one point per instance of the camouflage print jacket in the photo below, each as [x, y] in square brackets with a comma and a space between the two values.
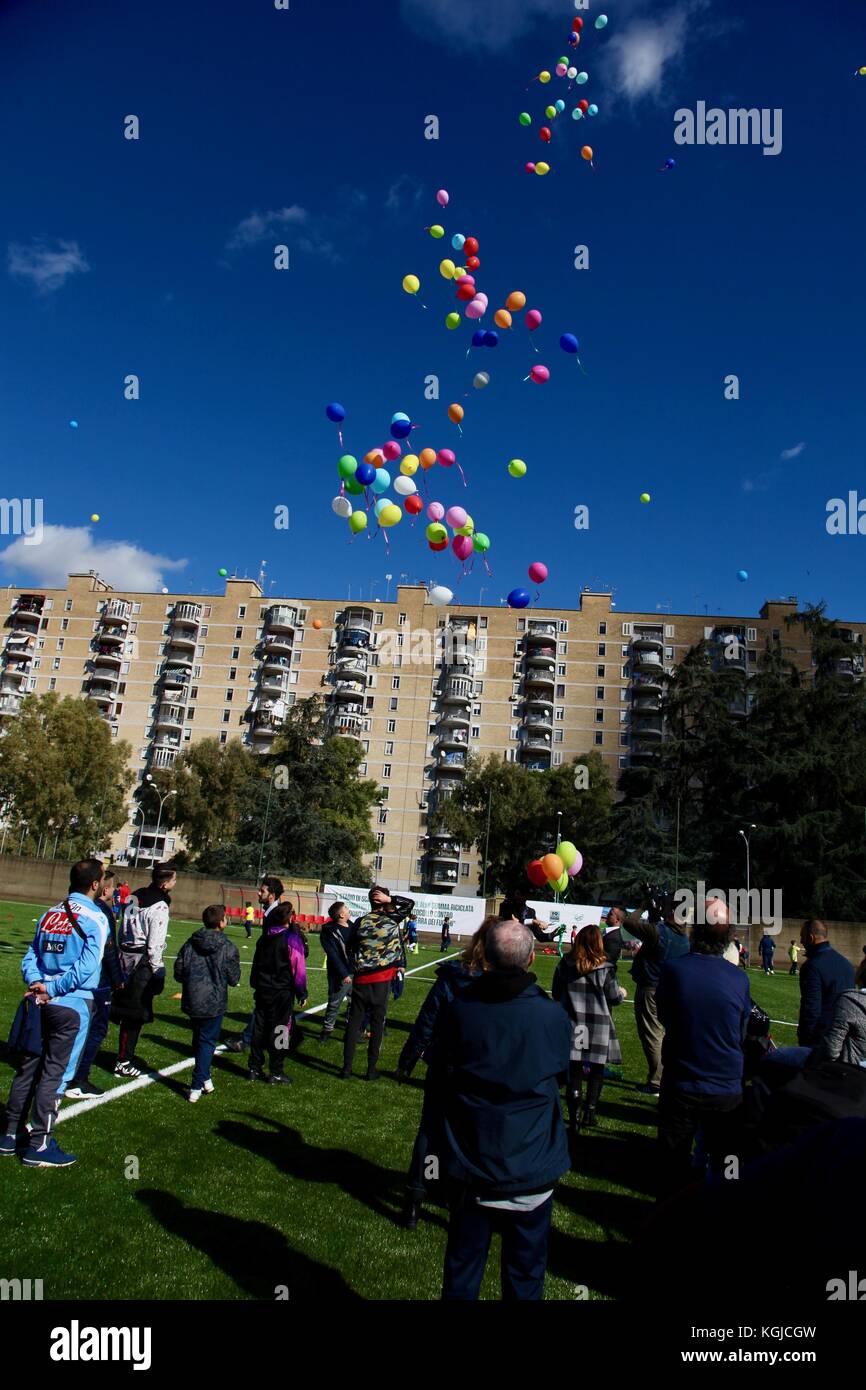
[376, 942]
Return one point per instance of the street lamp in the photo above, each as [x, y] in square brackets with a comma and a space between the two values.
[267, 817]
[746, 838]
[138, 807]
[162, 800]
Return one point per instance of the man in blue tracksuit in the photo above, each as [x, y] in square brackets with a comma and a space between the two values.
[111, 979]
[62, 970]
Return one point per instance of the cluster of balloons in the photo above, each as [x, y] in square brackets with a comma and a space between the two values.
[554, 870]
[465, 542]
[566, 68]
[538, 572]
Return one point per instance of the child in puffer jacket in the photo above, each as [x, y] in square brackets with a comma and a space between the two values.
[206, 965]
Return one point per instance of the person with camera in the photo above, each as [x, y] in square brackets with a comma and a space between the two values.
[662, 939]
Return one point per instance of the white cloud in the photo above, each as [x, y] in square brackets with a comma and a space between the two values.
[404, 194]
[68, 550]
[481, 24]
[636, 60]
[762, 482]
[46, 267]
[259, 226]
[793, 452]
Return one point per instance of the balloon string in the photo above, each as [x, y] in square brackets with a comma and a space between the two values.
[340, 437]
[463, 475]
[487, 567]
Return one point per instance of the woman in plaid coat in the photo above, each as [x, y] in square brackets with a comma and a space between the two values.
[585, 985]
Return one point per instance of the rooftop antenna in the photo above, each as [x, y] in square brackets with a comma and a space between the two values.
[263, 575]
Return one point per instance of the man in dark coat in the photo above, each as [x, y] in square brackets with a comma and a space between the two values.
[662, 939]
[334, 939]
[505, 1049]
[824, 975]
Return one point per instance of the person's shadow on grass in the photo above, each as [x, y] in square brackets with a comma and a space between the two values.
[380, 1189]
[258, 1258]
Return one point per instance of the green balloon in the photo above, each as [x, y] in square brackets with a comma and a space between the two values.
[346, 466]
[561, 883]
[480, 542]
[436, 533]
[437, 232]
[517, 468]
[452, 321]
[354, 488]
[567, 853]
[525, 118]
[223, 574]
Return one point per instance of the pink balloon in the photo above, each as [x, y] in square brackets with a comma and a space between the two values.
[456, 517]
[435, 511]
[391, 450]
[540, 374]
[537, 572]
[561, 69]
[533, 319]
[530, 168]
[462, 547]
[575, 869]
[447, 458]
[475, 309]
[466, 280]
[442, 198]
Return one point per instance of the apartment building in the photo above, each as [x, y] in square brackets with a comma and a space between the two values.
[419, 687]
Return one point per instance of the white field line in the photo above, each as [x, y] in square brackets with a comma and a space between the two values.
[68, 1112]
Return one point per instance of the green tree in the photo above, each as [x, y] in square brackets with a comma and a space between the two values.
[211, 784]
[62, 775]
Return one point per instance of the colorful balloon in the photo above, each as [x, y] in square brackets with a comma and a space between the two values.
[516, 301]
[550, 112]
[401, 427]
[480, 543]
[576, 866]
[560, 107]
[452, 321]
[436, 533]
[458, 241]
[346, 466]
[536, 875]
[223, 573]
[544, 134]
[476, 309]
[435, 511]
[517, 468]
[542, 168]
[462, 547]
[480, 380]
[478, 337]
[382, 481]
[569, 343]
[553, 867]
[586, 153]
[529, 167]
[427, 458]
[584, 105]
[411, 285]
[502, 318]
[447, 458]
[442, 198]
[593, 110]
[525, 118]
[472, 262]
[437, 232]
[533, 319]
[365, 474]
[455, 413]
[456, 517]
[518, 598]
[645, 497]
[404, 487]
[413, 505]
[358, 521]
[544, 78]
[470, 246]
[491, 338]
[577, 24]
[409, 465]
[538, 572]
[335, 412]
[380, 503]
[341, 506]
[581, 78]
[390, 515]
[561, 69]
[355, 489]
[561, 883]
[742, 575]
[440, 596]
[540, 374]
[601, 22]
[567, 853]
[438, 545]
[577, 114]
[391, 450]
[447, 269]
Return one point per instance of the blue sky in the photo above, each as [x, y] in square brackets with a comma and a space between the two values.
[155, 257]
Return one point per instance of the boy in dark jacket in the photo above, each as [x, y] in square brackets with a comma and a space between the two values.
[278, 977]
[335, 944]
[207, 964]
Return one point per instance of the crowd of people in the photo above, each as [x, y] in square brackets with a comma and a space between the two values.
[499, 1051]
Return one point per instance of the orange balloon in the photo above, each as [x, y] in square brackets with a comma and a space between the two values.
[375, 457]
[428, 458]
[552, 866]
[587, 151]
[502, 318]
[317, 623]
[516, 301]
[455, 413]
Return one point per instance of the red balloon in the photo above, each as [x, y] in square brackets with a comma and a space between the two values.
[530, 168]
[413, 504]
[536, 874]
[584, 105]
[473, 262]
[577, 25]
[466, 292]
[438, 545]
[545, 132]
[470, 246]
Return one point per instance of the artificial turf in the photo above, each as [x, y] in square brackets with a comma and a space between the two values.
[293, 1191]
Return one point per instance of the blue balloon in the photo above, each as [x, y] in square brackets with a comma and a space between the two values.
[458, 241]
[518, 598]
[381, 505]
[593, 110]
[491, 338]
[365, 473]
[478, 337]
[73, 424]
[670, 164]
[742, 575]
[577, 114]
[572, 39]
[569, 343]
[335, 412]
[560, 106]
[382, 480]
[401, 429]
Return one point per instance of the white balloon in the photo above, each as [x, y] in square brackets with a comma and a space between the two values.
[404, 486]
[481, 380]
[341, 506]
[440, 596]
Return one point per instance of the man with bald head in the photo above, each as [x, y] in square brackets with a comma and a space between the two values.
[824, 975]
[505, 1048]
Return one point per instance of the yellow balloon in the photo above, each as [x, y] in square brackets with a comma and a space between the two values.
[358, 521]
[447, 269]
[390, 515]
[544, 77]
[409, 465]
[542, 168]
[411, 284]
[95, 516]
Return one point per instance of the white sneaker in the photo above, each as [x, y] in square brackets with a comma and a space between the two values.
[193, 1097]
[208, 1087]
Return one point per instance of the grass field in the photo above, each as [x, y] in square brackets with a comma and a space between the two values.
[258, 1186]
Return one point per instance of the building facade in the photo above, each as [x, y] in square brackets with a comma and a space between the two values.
[419, 686]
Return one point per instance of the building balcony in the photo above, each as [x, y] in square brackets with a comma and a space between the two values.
[266, 722]
[537, 700]
[183, 639]
[32, 604]
[451, 736]
[443, 877]
[346, 690]
[101, 693]
[649, 641]
[540, 632]
[354, 639]
[9, 704]
[25, 620]
[445, 788]
[538, 765]
[446, 851]
[351, 668]
[457, 692]
[647, 703]
[458, 661]
[164, 752]
[347, 725]
[175, 677]
[274, 661]
[109, 657]
[450, 762]
[273, 683]
[277, 644]
[117, 610]
[114, 636]
[170, 716]
[649, 681]
[651, 730]
[539, 681]
[643, 756]
[850, 668]
[541, 656]
[16, 670]
[187, 615]
[538, 722]
[453, 717]
[647, 662]
[281, 618]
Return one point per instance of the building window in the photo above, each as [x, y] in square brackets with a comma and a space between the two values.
[623, 762]
[55, 665]
[190, 714]
[559, 714]
[602, 629]
[478, 688]
[383, 815]
[476, 709]
[599, 716]
[401, 620]
[227, 714]
[476, 731]
[560, 692]
[557, 759]
[223, 737]
[599, 671]
[60, 641]
[599, 740]
[64, 624]
[67, 607]
[392, 726]
[395, 682]
[599, 692]
[623, 738]
[389, 747]
[393, 702]
[230, 695]
[52, 684]
[386, 769]
[377, 862]
[558, 735]
[482, 623]
[379, 619]
[561, 669]
[514, 732]
[464, 870]
[380, 838]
